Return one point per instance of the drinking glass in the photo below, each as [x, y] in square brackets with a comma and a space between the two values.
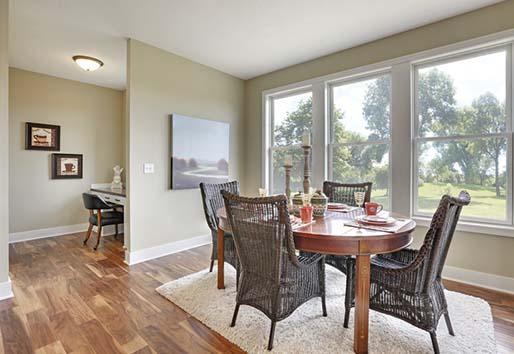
[359, 200]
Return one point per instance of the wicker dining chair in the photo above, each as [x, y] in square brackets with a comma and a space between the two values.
[273, 278]
[344, 193]
[212, 202]
[407, 284]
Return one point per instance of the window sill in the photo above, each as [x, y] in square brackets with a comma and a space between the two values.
[473, 227]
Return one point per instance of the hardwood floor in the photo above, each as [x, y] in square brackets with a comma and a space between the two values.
[71, 299]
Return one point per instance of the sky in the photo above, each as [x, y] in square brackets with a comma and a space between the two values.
[200, 138]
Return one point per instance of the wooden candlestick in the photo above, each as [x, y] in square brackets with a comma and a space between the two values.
[306, 168]
[287, 169]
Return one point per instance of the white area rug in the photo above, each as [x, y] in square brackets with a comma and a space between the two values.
[306, 331]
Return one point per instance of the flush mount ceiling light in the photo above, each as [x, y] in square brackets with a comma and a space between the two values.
[87, 63]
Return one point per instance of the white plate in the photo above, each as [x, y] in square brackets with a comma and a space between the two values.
[337, 206]
[377, 220]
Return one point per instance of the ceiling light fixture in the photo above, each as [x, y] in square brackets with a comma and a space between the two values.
[88, 63]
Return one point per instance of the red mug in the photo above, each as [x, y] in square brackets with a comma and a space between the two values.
[373, 208]
[306, 214]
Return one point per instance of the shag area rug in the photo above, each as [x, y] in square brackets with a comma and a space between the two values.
[307, 331]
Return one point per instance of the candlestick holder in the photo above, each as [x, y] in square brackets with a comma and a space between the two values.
[306, 168]
[287, 169]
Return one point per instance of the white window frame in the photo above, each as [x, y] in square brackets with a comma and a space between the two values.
[401, 153]
[418, 140]
[330, 113]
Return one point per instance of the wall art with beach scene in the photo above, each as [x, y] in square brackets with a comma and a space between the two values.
[42, 137]
[66, 166]
[199, 151]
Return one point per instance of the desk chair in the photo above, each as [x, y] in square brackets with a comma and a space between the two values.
[93, 202]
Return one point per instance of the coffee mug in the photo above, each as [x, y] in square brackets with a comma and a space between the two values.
[373, 208]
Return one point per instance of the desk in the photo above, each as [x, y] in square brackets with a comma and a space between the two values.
[330, 235]
[115, 196]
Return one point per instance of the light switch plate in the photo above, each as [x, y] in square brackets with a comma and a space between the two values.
[148, 168]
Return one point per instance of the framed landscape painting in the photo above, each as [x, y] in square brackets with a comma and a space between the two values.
[66, 166]
[199, 151]
[42, 137]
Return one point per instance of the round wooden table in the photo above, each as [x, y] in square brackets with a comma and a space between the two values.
[331, 235]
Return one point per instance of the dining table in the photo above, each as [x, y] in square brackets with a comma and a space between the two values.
[336, 234]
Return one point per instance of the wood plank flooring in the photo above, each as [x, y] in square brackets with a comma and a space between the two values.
[70, 299]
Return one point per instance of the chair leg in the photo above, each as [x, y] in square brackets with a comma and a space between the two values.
[116, 232]
[346, 316]
[434, 342]
[234, 317]
[324, 305]
[449, 324]
[212, 266]
[237, 277]
[271, 335]
[99, 236]
[348, 296]
[88, 234]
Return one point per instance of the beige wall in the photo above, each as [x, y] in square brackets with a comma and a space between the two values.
[91, 124]
[161, 83]
[4, 143]
[478, 252]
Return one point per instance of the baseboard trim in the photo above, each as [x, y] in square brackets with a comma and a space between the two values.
[484, 280]
[57, 231]
[150, 253]
[6, 290]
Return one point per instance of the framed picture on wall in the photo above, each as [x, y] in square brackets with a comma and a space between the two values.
[66, 166]
[200, 151]
[42, 137]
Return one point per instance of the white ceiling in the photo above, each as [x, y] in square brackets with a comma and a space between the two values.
[245, 38]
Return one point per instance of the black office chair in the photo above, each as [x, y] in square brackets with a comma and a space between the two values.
[101, 218]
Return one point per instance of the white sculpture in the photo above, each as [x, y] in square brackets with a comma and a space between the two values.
[116, 180]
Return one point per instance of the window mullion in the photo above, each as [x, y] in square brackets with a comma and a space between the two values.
[400, 150]
[318, 174]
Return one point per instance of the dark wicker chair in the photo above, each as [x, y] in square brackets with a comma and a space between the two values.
[407, 284]
[273, 278]
[212, 202]
[344, 193]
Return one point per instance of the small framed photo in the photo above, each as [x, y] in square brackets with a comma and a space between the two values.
[66, 166]
[42, 137]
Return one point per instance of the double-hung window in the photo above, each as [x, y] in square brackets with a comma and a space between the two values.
[425, 124]
[290, 116]
[360, 121]
[462, 134]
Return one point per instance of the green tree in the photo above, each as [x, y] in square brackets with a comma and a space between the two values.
[490, 118]
[377, 108]
[288, 133]
[436, 102]
[296, 123]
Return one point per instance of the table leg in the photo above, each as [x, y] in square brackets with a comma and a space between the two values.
[221, 259]
[362, 284]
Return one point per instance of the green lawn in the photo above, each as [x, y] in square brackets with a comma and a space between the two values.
[484, 203]
[380, 196]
